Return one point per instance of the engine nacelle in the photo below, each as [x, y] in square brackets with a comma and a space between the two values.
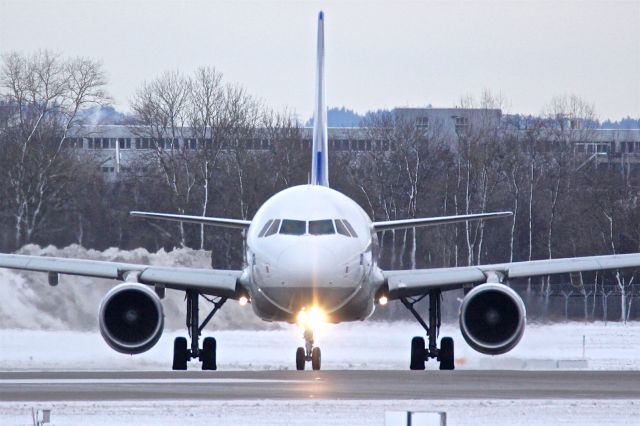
[131, 318]
[492, 318]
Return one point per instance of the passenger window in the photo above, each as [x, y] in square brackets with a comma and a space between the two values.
[293, 227]
[350, 228]
[264, 229]
[321, 227]
[341, 228]
[273, 228]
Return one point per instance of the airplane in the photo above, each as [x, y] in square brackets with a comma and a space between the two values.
[312, 257]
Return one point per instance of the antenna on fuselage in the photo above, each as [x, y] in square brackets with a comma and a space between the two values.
[319, 160]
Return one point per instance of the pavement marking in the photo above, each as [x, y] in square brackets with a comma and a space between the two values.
[139, 381]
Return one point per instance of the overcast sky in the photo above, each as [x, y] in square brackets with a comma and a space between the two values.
[380, 54]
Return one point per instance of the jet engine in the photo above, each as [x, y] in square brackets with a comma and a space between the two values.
[131, 318]
[492, 318]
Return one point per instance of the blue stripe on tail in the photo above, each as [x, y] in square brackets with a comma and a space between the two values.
[318, 168]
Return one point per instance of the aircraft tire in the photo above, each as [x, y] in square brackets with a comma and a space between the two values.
[417, 353]
[316, 357]
[300, 359]
[209, 354]
[446, 354]
[180, 353]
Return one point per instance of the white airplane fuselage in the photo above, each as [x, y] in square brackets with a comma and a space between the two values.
[310, 258]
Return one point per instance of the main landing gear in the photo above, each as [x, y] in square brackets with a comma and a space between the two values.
[206, 355]
[308, 353]
[421, 353]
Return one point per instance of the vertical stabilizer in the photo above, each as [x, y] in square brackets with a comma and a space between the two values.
[319, 162]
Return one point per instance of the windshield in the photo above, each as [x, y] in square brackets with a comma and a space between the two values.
[321, 227]
[273, 228]
[341, 228]
[350, 228]
[264, 229]
[293, 227]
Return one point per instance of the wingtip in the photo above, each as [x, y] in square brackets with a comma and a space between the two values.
[321, 15]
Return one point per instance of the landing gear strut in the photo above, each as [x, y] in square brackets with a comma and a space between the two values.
[421, 353]
[206, 355]
[308, 353]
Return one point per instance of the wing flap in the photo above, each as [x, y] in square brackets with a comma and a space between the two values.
[89, 268]
[568, 265]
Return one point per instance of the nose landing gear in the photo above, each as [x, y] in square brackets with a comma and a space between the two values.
[419, 351]
[308, 353]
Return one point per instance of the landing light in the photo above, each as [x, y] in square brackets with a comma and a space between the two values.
[243, 300]
[311, 318]
[383, 300]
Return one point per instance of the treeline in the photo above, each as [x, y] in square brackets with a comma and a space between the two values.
[563, 205]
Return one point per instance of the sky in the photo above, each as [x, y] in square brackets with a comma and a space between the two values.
[379, 54]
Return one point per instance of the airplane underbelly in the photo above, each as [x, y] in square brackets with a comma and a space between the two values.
[281, 297]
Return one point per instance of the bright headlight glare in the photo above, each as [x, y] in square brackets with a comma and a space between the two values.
[243, 300]
[311, 318]
[383, 300]
[302, 317]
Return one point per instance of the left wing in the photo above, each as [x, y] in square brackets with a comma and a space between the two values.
[431, 221]
[419, 281]
[222, 283]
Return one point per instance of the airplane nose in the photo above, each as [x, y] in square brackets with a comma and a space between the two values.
[308, 264]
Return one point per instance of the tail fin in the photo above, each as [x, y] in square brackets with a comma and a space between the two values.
[319, 161]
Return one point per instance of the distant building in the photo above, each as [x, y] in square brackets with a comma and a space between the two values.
[119, 148]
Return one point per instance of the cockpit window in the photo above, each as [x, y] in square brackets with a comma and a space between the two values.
[293, 227]
[264, 229]
[321, 227]
[341, 228]
[350, 228]
[273, 228]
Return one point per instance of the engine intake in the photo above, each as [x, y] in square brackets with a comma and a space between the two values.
[492, 318]
[131, 318]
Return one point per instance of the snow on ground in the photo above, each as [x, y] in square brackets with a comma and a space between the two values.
[309, 413]
[366, 345]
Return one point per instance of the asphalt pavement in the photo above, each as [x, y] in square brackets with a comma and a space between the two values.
[305, 385]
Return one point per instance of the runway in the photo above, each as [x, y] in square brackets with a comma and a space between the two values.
[322, 385]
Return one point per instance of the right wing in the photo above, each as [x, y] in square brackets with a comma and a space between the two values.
[223, 283]
[415, 282]
[214, 221]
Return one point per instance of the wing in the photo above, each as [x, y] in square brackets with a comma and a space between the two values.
[209, 281]
[214, 221]
[420, 281]
[431, 221]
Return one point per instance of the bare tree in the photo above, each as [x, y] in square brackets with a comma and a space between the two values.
[46, 94]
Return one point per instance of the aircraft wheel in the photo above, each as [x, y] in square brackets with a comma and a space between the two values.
[315, 358]
[208, 356]
[300, 359]
[417, 353]
[446, 354]
[180, 353]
